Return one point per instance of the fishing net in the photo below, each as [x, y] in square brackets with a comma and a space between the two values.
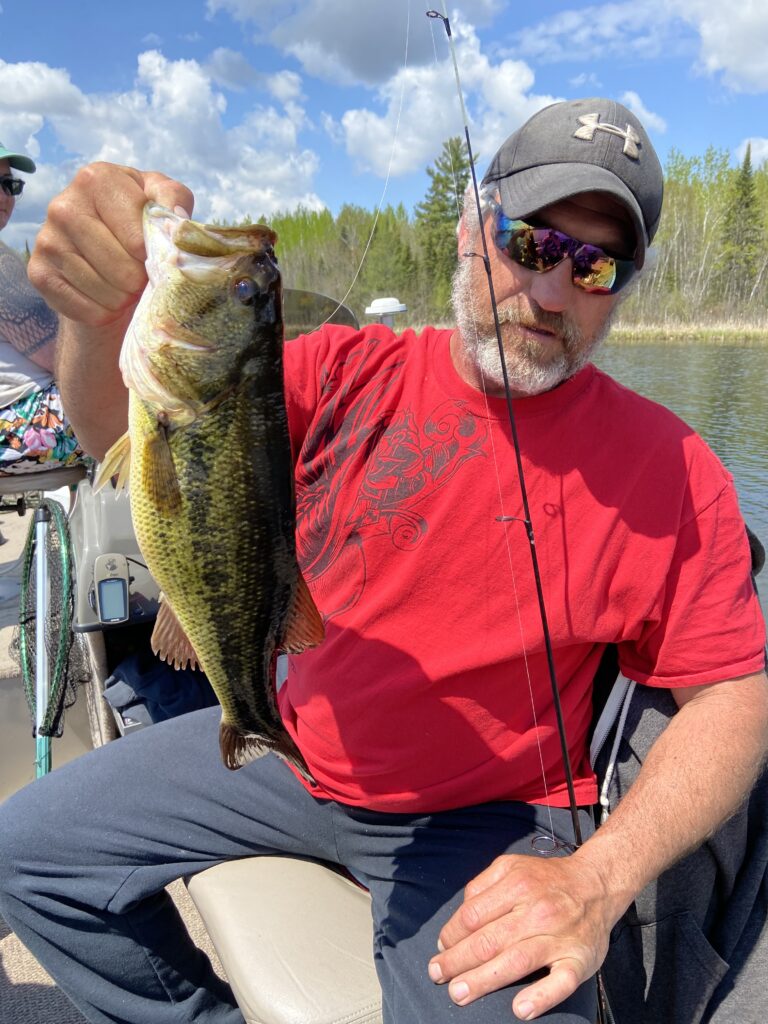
[68, 660]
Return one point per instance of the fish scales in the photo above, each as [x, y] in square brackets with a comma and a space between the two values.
[211, 478]
[240, 574]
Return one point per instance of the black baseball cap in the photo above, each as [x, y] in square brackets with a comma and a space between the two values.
[591, 145]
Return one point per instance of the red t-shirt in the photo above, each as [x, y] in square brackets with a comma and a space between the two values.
[431, 689]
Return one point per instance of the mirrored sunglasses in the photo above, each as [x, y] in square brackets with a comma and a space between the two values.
[11, 186]
[541, 249]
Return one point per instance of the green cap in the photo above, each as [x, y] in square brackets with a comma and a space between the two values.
[17, 160]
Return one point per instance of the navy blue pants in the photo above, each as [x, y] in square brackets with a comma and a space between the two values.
[85, 854]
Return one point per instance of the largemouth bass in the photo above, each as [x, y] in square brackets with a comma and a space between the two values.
[208, 460]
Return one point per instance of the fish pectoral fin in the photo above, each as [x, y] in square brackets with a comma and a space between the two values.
[159, 479]
[117, 462]
[169, 641]
[304, 626]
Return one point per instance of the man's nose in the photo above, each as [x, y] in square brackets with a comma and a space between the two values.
[553, 290]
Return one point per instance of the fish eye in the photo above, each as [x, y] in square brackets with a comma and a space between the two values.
[245, 290]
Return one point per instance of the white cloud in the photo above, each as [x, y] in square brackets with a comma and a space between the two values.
[351, 43]
[285, 86]
[364, 42]
[354, 43]
[20, 131]
[726, 40]
[332, 128]
[639, 29]
[34, 86]
[498, 98]
[734, 40]
[588, 80]
[759, 153]
[30, 208]
[173, 119]
[652, 122]
[231, 69]
[249, 10]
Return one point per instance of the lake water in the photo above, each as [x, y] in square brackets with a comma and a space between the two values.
[720, 391]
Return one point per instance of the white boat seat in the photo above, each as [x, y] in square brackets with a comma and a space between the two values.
[42, 480]
[295, 939]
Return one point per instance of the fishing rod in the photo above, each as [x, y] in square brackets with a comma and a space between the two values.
[603, 1011]
[526, 520]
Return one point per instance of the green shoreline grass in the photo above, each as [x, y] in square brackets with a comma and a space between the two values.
[746, 335]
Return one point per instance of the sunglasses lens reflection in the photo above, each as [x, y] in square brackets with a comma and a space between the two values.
[12, 186]
[540, 249]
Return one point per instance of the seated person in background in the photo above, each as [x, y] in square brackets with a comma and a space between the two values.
[34, 432]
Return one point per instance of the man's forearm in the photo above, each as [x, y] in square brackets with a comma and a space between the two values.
[695, 777]
[92, 390]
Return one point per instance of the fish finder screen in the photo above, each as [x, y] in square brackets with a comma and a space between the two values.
[113, 600]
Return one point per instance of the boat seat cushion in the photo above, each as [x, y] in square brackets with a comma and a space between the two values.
[295, 939]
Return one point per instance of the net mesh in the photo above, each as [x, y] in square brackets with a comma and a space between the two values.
[68, 660]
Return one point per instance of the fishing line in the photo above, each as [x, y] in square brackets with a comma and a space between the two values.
[386, 180]
[504, 519]
[526, 520]
[603, 1009]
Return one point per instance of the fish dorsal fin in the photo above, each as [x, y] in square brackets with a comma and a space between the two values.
[158, 473]
[304, 626]
[169, 641]
[117, 462]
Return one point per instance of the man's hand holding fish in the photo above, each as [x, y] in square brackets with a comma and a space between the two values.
[89, 261]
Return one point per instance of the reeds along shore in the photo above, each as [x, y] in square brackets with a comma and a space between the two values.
[746, 334]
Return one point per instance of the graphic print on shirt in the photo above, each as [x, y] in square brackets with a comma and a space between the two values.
[366, 468]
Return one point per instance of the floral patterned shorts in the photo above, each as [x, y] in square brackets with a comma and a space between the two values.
[35, 435]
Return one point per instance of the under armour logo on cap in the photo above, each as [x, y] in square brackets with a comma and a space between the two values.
[590, 123]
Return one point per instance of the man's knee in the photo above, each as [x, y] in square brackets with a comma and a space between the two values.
[18, 841]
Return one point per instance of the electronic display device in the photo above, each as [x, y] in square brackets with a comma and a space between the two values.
[110, 581]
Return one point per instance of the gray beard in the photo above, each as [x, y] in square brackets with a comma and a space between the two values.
[527, 372]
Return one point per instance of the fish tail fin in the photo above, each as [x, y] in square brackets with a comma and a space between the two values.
[117, 462]
[304, 625]
[238, 748]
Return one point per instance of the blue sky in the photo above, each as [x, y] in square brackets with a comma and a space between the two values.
[260, 105]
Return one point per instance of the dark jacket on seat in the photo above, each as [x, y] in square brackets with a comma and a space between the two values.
[693, 947]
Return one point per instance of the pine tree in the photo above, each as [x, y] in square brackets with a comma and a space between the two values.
[390, 267]
[436, 219]
[743, 237]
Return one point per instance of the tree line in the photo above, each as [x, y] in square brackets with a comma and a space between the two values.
[710, 261]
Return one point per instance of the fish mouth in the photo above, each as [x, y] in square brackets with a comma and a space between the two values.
[203, 253]
[212, 241]
[212, 257]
